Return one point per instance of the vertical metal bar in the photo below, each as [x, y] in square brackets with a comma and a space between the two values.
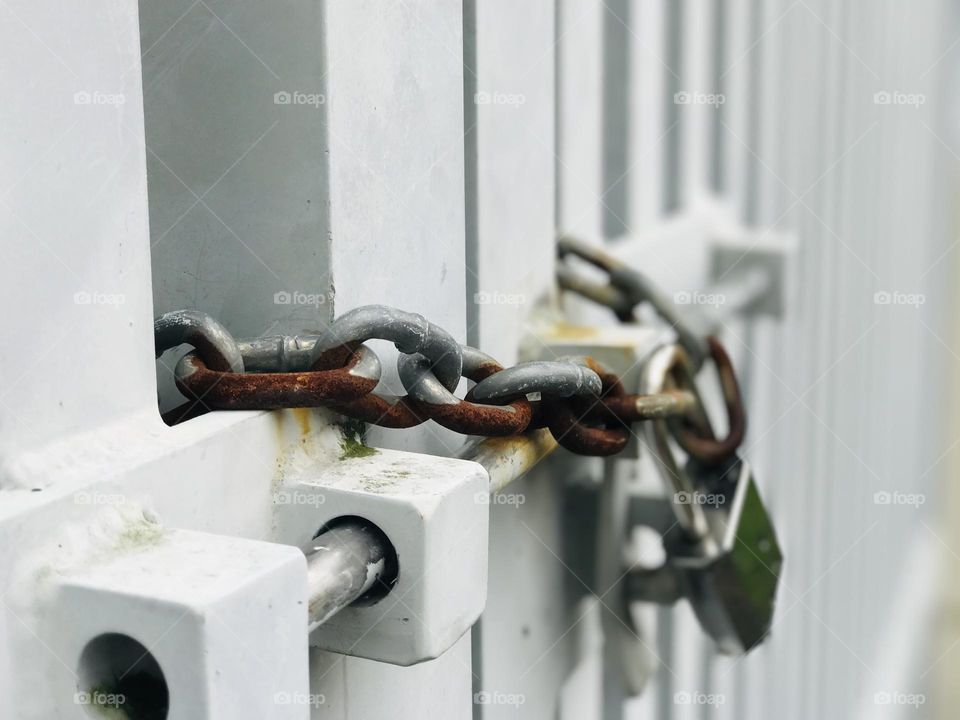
[734, 81]
[389, 68]
[696, 118]
[770, 85]
[832, 232]
[616, 117]
[649, 131]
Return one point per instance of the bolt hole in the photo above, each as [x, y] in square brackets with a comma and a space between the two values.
[120, 678]
[388, 578]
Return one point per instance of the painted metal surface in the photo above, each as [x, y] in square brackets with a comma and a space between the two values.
[342, 153]
[434, 513]
[222, 618]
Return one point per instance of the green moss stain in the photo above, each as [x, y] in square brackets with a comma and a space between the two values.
[139, 534]
[353, 448]
[352, 443]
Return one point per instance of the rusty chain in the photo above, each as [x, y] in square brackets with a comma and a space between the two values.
[584, 405]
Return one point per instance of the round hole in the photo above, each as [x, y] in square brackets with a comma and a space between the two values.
[119, 678]
[391, 571]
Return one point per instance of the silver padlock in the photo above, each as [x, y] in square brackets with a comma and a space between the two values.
[722, 553]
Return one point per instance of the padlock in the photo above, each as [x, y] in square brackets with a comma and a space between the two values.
[722, 553]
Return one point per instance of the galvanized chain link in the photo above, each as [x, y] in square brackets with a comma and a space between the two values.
[584, 405]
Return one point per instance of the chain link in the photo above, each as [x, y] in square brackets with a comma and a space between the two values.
[584, 405]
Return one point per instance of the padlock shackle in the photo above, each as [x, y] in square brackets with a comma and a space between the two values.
[669, 368]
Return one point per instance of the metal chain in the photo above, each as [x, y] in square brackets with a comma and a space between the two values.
[625, 290]
[583, 404]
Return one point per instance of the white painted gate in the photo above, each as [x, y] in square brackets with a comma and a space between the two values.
[276, 165]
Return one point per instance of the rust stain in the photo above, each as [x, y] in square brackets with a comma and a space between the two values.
[712, 450]
[390, 412]
[469, 418]
[302, 416]
[270, 391]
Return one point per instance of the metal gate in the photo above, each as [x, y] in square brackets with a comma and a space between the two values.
[278, 165]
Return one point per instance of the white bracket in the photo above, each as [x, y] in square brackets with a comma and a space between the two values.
[137, 618]
[434, 511]
[707, 259]
[752, 266]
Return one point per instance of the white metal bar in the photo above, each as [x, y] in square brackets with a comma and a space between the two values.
[75, 264]
[396, 201]
[647, 128]
[579, 29]
[735, 76]
[696, 112]
[397, 197]
[511, 117]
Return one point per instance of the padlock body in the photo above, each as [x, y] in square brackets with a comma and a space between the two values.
[731, 578]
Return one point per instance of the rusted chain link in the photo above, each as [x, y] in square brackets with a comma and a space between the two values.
[430, 398]
[584, 405]
[704, 446]
[626, 288]
[274, 390]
